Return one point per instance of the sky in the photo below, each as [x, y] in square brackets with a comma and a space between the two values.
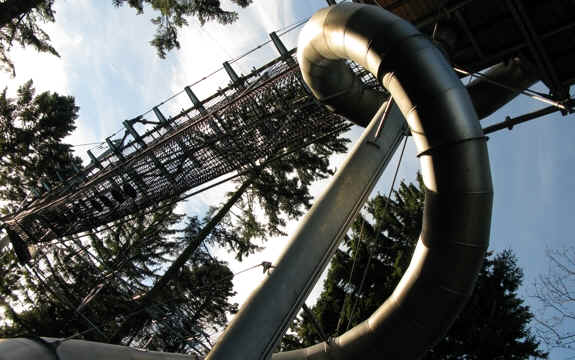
[107, 64]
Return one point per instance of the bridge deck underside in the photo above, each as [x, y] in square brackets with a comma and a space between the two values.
[236, 130]
[480, 33]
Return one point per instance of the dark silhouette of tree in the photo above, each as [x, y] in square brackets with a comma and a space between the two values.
[97, 279]
[20, 22]
[493, 325]
[90, 286]
[32, 155]
[280, 197]
[129, 284]
[555, 291]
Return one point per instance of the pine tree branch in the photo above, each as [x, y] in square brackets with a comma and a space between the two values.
[12, 9]
[137, 322]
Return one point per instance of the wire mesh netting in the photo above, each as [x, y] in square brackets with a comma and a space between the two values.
[264, 115]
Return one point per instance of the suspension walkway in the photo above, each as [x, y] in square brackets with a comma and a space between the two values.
[257, 118]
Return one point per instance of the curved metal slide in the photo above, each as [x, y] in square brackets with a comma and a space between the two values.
[455, 168]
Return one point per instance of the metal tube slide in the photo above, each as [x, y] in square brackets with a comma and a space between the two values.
[50, 349]
[455, 169]
[261, 322]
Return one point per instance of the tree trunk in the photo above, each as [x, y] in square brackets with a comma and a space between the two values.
[137, 321]
[13, 9]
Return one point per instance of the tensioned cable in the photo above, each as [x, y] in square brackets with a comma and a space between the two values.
[171, 203]
[279, 32]
[93, 327]
[98, 178]
[289, 28]
[378, 229]
[105, 279]
[86, 144]
[355, 248]
[124, 261]
[527, 92]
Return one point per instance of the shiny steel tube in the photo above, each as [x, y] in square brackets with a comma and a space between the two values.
[455, 168]
[50, 349]
[262, 320]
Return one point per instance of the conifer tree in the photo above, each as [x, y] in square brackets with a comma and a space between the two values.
[493, 325]
[174, 14]
[113, 286]
[90, 285]
[32, 155]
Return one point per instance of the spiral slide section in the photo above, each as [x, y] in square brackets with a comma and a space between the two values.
[457, 214]
[455, 168]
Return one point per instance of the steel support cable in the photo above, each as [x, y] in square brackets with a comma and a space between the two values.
[530, 93]
[288, 29]
[279, 32]
[200, 190]
[355, 249]
[358, 240]
[87, 144]
[101, 229]
[377, 230]
[291, 27]
[455, 168]
[155, 209]
[112, 274]
[315, 323]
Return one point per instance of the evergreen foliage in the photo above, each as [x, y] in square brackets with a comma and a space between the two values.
[20, 22]
[274, 188]
[139, 283]
[174, 14]
[32, 154]
[493, 325]
[91, 287]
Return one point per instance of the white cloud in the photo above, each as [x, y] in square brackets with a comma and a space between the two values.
[48, 71]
